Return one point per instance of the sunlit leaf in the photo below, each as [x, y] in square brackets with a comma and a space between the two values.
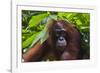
[36, 19]
[42, 36]
[28, 41]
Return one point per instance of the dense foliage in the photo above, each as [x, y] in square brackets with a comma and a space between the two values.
[33, 23]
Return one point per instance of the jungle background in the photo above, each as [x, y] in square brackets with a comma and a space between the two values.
[34, 23]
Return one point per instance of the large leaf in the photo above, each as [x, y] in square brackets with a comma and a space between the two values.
[42, 36]
[37, 19]
[28, 41]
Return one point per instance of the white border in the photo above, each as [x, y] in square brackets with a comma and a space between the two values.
[17, 64]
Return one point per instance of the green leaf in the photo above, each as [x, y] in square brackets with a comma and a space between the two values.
[53, 17]
[28, 41]
[78, 22]
[42, 36]
[37, 19]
